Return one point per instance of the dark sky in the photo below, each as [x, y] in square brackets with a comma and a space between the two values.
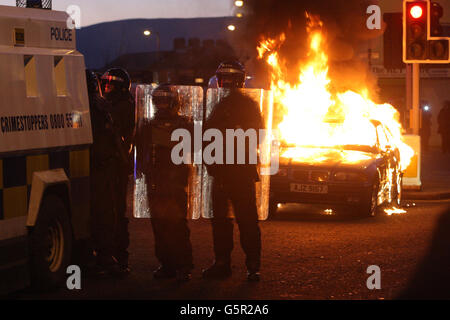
[95, 11]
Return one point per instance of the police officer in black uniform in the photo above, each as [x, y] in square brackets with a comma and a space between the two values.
[116, 86]
[234, 182]
[167, 185]
[104, 165]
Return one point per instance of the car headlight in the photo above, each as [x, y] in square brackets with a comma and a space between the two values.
[350, 176]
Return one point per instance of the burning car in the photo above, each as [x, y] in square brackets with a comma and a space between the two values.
[338, 145]
[363, 177]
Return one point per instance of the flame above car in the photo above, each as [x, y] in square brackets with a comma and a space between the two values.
[310, 105]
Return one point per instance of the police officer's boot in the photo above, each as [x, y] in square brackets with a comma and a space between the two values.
[164, 273]
[107, 265]
[123, 270]
[253, 274]
[119, 271]
[183, 275]
[219, 270]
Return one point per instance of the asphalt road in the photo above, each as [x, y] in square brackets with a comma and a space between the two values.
[306, 255]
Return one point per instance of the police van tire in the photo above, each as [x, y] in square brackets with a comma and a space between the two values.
[50, 244]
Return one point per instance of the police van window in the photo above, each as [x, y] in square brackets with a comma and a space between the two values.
[19, 37]
[60, 76]
[30, 76]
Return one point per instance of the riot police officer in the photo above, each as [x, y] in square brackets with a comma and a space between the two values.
[116, 86]
[104, 165]
[167, 185]
[234, 182]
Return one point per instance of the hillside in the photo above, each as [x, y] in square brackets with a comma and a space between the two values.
[103, 43]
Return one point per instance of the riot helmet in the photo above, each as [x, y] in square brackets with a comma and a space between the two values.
[116, 80]
[166, 100]
[213, 83]
[230, 74]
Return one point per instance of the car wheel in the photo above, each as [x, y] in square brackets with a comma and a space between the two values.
[370, 206]
[273, 208]
[50, 244]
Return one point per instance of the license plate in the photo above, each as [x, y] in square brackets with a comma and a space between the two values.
[308, 188]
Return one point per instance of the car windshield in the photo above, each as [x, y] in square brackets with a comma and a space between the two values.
[341, 139]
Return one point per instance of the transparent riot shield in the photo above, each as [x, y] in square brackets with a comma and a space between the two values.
[192, 108]
[144, 113]
[267, 155]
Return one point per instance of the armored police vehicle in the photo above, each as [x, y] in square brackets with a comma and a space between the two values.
[45, 134]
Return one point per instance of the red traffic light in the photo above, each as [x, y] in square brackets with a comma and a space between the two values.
[423, 37]
[416, 12]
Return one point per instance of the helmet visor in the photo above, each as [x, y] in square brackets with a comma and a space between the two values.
[111, 83]
[231, 80]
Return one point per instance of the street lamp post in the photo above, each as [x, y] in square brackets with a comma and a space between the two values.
[149, 33]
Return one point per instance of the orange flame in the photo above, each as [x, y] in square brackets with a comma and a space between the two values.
[314, 115]
[393, 211]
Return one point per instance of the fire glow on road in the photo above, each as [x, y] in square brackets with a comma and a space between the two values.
[393, 211]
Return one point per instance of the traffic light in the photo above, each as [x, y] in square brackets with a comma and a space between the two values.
[436, 14]
[422, 33]
[439, 48]
[415, 31]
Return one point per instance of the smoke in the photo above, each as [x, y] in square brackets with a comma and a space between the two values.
[345, 29]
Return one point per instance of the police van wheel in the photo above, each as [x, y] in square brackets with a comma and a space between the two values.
[50, 244]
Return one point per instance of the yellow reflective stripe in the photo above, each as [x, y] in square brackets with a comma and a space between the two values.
[36, 163]
[79, 164]
[15, 199]
[1, 174]
[15, 202]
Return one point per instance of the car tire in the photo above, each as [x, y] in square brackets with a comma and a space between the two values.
[370, 207]
[51, 243]
[273, 208]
